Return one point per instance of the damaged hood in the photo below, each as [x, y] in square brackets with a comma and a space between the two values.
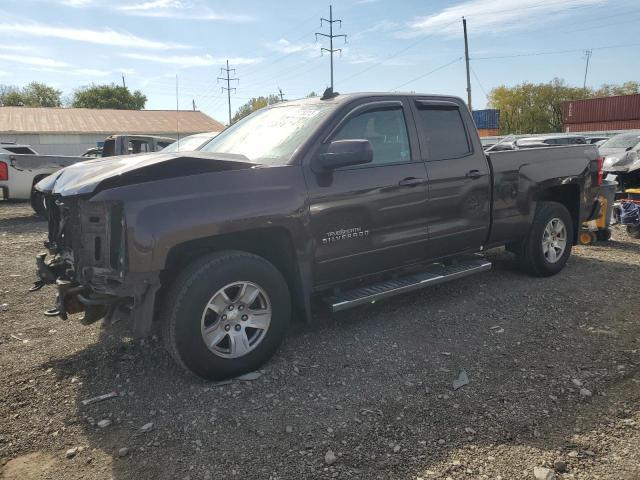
[102, 173]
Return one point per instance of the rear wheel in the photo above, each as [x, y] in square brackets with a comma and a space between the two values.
[226, 314]
[547, 247]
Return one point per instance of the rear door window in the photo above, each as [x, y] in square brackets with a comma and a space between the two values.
[445, 135]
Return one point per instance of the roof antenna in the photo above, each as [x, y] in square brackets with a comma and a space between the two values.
[329, 94]
[177, 116]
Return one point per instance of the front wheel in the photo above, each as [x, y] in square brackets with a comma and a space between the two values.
[546, 249]
[39, 204]
[226, 314]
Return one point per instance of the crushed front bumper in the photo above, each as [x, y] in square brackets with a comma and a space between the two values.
[88, 266]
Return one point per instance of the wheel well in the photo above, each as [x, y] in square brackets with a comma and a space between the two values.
[273, 244]
[37, 178]
[569, 196]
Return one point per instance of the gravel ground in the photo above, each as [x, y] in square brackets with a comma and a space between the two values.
[552, 367]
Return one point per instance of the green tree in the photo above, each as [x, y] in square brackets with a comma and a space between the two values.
[312, 94]
[254, 104]
[533, 108]
[108, 96]
[34, 94]
[609, 90]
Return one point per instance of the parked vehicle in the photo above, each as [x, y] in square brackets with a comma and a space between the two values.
[553, 140]
[19, 171]
[191, 143]
[95, 152]
[10, 147]
[622, 158]
[133, 144]
[512, 142]
[596, 140]
[347, 199]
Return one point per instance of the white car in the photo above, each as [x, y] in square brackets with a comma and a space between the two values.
[21, 168]
[191, 143]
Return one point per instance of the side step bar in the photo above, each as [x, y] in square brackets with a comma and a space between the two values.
[436, 273]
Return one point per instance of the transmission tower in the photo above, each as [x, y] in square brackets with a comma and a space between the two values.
[228, 88]
[331, 36]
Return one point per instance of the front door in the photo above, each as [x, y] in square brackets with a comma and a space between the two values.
[459, 209]
[370, 218]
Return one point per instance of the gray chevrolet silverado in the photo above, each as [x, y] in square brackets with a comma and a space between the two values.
[335, 201]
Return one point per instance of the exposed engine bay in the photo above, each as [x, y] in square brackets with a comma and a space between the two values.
[87, 263]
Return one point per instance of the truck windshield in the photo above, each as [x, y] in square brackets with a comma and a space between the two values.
[270, 135]
[626, 140]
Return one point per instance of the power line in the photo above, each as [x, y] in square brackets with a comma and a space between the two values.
[331, 36]
[428, 73]
[479, 82]
[394, 54]
[228, 87]
[555, 52]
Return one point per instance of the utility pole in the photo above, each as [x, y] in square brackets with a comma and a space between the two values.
[331, 36]
[193, 102]
[228, 87]
[466, 60]
[123, 83]
[587, 55]
[281, 94]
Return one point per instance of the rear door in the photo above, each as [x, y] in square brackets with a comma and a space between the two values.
[459, 208]
[372, 217]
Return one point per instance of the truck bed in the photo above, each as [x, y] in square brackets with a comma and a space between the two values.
[518, 176]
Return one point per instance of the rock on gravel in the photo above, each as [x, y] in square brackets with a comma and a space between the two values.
[560, 466]
[330, 457]
[123, 452]
[104, 423]
[71, 452]
[147, 427]
[543, 473]
[585, 392]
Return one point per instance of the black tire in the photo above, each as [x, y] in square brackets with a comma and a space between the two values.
[38, 204]
[191, 291]
[604, 235]
[633, 231]
[530, 254]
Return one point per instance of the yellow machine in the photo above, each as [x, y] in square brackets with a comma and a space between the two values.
[597, 230]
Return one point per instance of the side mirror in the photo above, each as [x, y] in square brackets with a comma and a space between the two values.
[344, 153]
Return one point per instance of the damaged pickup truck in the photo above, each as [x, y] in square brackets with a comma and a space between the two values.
[335, 201]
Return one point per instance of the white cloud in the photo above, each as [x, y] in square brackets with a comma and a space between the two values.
[76, 3]
[181, 9]
[383, 26]
[29, 60]
[86, 72]
[285, 46]
[100, 37]
[357, 58]
[190, 61]
[491, 15]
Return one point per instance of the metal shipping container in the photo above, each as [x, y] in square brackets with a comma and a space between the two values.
[488, 118]
[602, 126]
[488, 132]
[605, 109]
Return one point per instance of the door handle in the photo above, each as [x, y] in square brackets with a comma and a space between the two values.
[473, 174]
[410, 182]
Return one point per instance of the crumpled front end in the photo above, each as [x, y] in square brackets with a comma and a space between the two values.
[87, 261]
